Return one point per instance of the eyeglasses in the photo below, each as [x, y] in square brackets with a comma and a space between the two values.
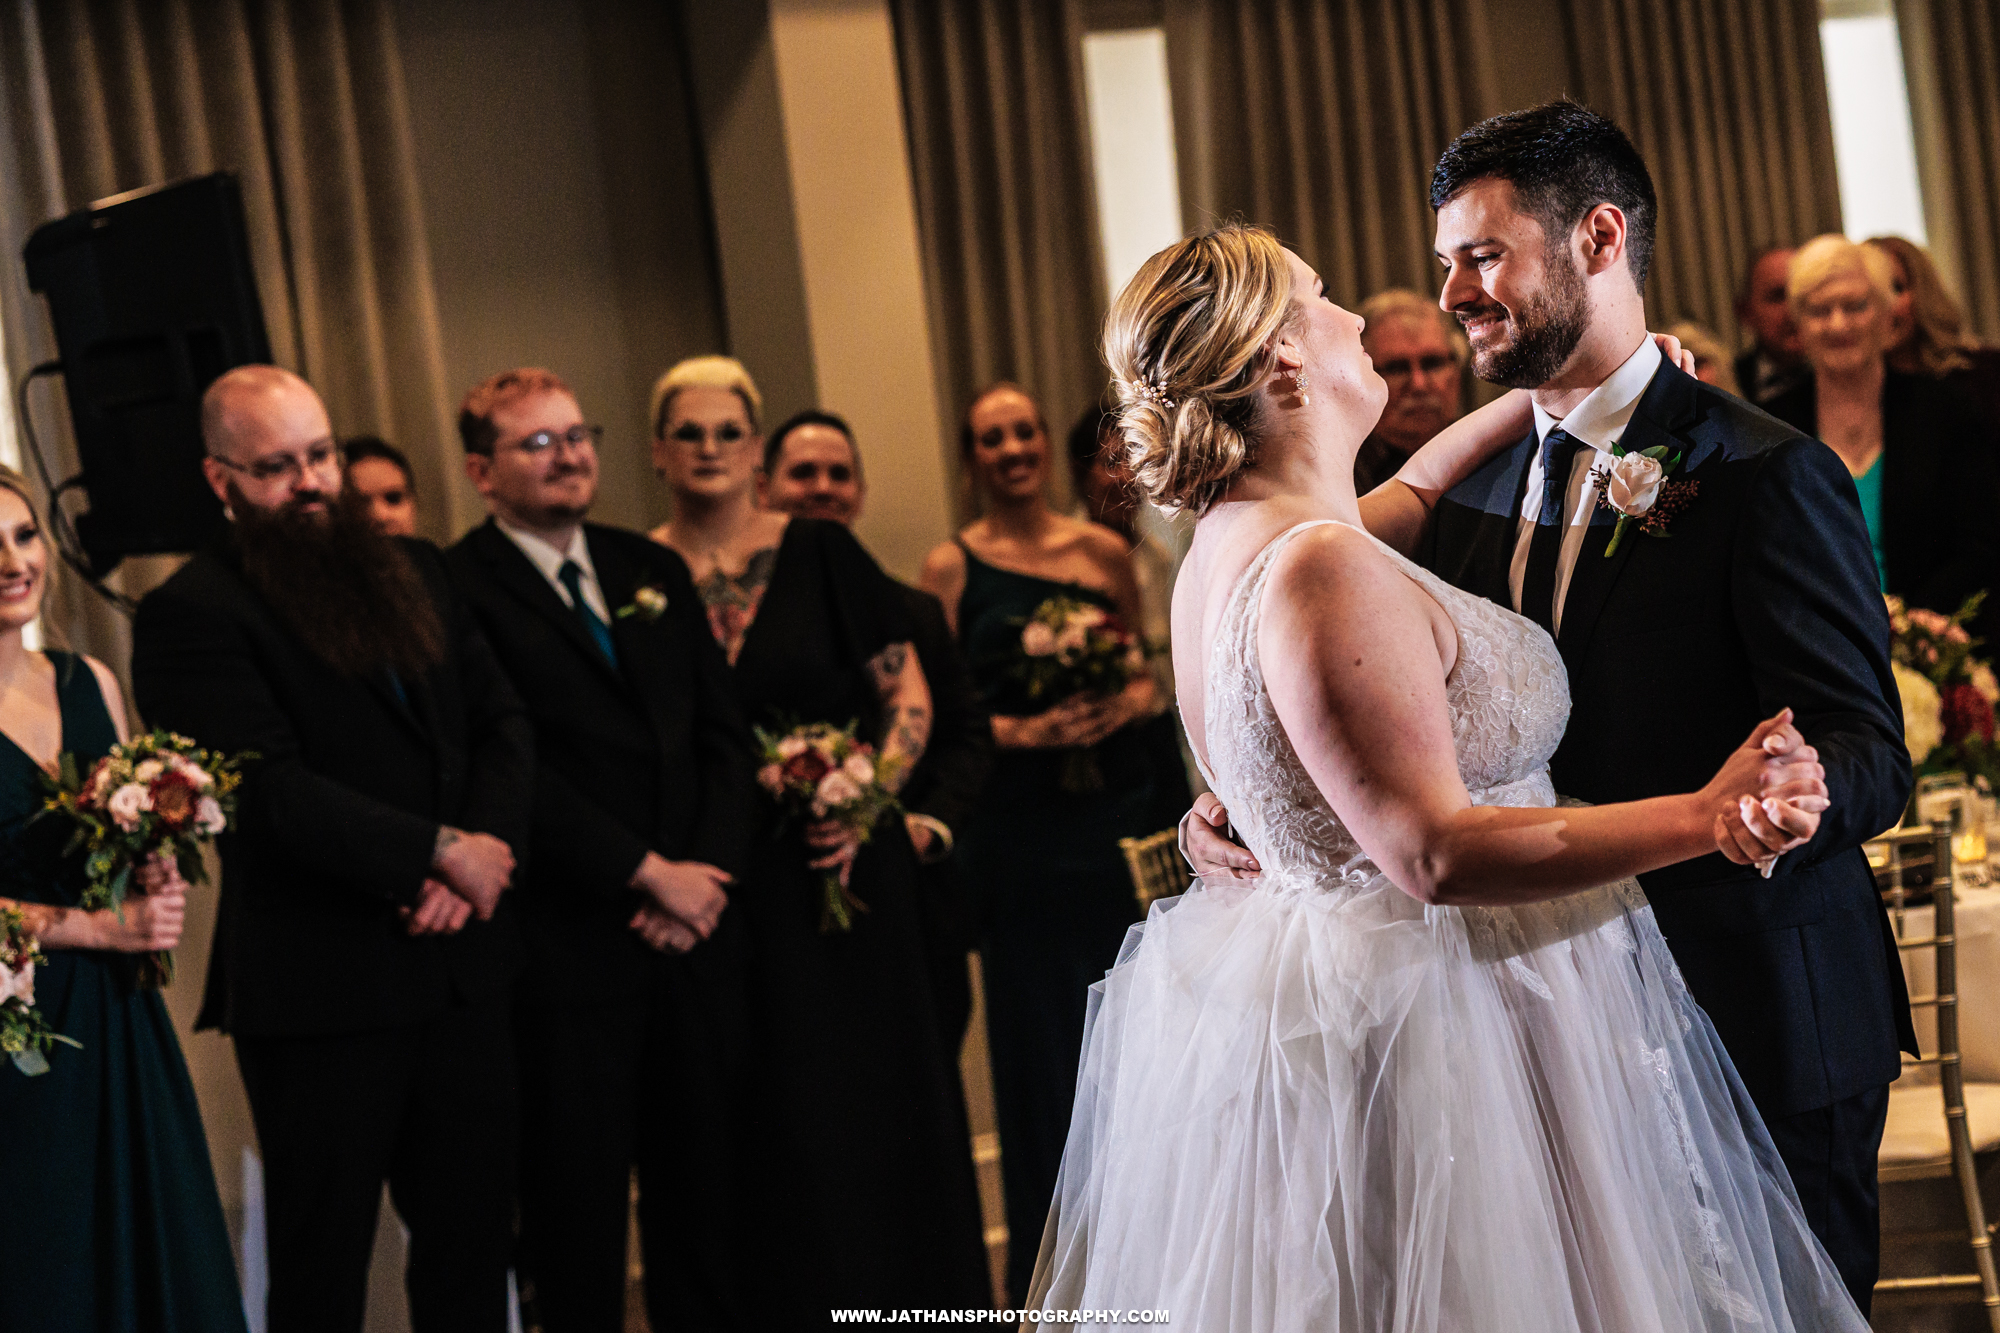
[318, 456]
[1400, 368]
[539, 443]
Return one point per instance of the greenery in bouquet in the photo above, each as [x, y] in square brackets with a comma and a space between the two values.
[816, 772]
[25, 1036]
[156, 794]
[1948, 692]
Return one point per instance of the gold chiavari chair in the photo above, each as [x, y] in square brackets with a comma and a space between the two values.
[1929, 1134]
[1156, 867]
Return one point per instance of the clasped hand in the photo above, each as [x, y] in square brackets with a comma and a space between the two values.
[152, 917]
[684, 901]
[470, 872]
[1767, 800]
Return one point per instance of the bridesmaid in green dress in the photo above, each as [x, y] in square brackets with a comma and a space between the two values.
[111, 1222]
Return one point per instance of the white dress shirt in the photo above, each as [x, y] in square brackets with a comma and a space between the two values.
[547, 558]
[1598, 421]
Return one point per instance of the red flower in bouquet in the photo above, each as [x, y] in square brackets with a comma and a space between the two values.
[1966, 714]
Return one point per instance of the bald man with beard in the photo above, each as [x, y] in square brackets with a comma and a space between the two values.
[365, 945]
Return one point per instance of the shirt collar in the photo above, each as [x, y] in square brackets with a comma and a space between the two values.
[545, 555]
[1603, 416]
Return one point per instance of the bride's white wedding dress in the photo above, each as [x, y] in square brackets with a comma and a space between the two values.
[1313, 1103]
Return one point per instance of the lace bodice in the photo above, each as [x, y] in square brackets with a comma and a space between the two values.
[1509, 700]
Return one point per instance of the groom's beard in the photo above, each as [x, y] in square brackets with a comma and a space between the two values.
[1542, 334]
[350, 593]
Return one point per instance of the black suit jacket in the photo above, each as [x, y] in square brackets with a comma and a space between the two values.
[340, 812]
[1939, 492]
[649, 755]
[1763, 596]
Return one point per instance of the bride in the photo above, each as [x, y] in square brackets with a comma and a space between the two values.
[1435, 1069]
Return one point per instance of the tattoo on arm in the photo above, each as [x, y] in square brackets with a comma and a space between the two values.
[447, 835]
[886, 668]
[909, 733]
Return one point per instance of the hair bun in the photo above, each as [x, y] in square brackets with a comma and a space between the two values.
[1188, 343]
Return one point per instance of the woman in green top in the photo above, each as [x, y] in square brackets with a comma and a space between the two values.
[111, 1224]
[1923, 461]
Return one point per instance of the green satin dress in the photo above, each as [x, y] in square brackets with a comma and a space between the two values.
[111, 1220]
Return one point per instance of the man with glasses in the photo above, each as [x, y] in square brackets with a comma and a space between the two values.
[1420, 352]
[364, 949]
[645, 799]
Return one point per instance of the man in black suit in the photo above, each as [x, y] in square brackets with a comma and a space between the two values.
[363, 951]
[812, 469]
[1764, 598]
[644, 796]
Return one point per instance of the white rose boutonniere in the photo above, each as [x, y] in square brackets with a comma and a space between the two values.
[1638, 487]
[648, 604]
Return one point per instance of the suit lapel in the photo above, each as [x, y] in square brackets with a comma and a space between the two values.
[1666, 408]
[515, 572]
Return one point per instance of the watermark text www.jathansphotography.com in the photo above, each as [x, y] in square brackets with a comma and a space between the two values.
[1054, 1319]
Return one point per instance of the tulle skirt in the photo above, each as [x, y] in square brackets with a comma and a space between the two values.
[1313, 1103]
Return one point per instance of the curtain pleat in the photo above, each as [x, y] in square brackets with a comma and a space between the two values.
[1958, 45]
[1323, 122]
[304, 101]
[1726, 99]
[993, 96]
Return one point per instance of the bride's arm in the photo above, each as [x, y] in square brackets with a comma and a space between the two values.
[1397, 510]
[1358, 684]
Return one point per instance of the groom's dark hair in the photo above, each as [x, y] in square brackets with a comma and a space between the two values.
[1563, 160]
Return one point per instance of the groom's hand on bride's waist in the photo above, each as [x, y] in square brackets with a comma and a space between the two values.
[1209, 845]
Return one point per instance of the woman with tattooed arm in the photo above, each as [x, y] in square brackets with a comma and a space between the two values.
[868, 1194]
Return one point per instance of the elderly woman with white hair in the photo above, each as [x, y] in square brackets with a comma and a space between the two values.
[1922, 461]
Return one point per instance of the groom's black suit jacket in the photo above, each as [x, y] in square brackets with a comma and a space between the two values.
[648, 755]
[1762, 596]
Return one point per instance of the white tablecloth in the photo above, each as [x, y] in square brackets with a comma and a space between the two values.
[1978, 930]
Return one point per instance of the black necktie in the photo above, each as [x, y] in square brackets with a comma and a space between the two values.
[1538, 586]
[571, 575]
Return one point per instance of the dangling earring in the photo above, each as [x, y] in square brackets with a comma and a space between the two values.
[1299, 385]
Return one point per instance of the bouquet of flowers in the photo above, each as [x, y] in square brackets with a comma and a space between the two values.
[818, 771]
[157, 793]
[1071, 647]
[1948, 693]
[25, 1037]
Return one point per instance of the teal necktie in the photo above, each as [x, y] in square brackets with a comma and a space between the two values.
[571, 576]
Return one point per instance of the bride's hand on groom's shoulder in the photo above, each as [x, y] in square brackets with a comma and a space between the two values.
[1671, 349]
[1768, 796]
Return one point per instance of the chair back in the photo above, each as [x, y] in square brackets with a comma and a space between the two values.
[1156, 866]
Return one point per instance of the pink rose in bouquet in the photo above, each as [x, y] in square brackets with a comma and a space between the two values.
[156, 794]
[819, 772]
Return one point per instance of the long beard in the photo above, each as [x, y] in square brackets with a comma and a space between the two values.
[350, 593]
[1546, 330]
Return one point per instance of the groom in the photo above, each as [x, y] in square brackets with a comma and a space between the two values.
[1764, 598]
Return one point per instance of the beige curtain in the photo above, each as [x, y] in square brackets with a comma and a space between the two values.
[1324, 121]
[304, 101]
[993, 95]
[1727, 101]
[1951, 53]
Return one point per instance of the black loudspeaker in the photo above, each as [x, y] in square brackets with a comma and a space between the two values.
[152, 297]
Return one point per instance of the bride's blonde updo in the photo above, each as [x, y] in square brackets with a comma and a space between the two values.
[1189, 344]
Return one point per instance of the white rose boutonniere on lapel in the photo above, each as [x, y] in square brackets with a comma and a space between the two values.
[1638, 487]
[647, 605]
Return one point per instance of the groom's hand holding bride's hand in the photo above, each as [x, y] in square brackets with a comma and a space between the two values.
[1768, 796]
